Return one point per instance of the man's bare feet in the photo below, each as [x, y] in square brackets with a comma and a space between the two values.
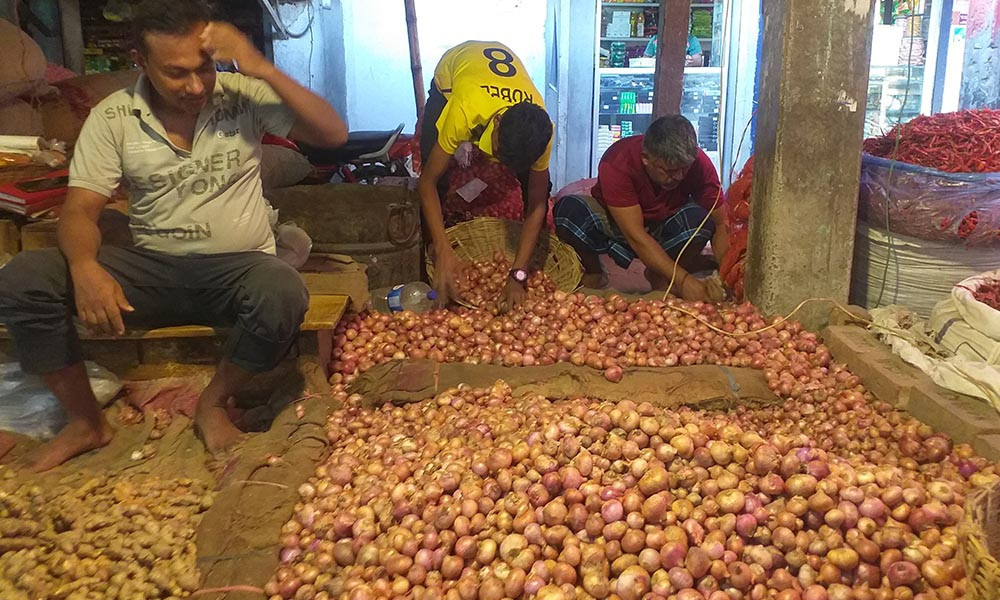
[77, 437]
[216, 430]
[594, 281]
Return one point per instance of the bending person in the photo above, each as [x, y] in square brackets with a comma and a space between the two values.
[482, 94]
[652, 192]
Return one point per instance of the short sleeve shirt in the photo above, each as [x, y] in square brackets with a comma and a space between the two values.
[208, 200]
[479, 80]
[622, 181]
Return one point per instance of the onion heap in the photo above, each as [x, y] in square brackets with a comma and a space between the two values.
[103, 537]
[479, 494]
[609, 334]
[482, 281]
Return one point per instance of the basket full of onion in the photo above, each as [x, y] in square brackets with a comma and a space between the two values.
[981, 543]
[482, 239]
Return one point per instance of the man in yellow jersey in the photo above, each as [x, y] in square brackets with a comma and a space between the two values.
[482, 94]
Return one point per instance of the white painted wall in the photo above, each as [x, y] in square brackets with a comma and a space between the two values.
[316, 59]
[377, 60]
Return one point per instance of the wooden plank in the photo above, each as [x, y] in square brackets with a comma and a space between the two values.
[671, 54]
[10, 237]
[325, 311]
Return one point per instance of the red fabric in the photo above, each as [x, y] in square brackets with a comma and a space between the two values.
[738, 202]
[501, 198]
[174, 395]
[274, 140]
[580, 186]
[57, 73]
[622, 181]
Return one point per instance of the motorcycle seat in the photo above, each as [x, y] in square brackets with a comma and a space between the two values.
[360, 146]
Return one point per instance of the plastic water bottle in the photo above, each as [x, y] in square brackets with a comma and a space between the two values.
[417, 297]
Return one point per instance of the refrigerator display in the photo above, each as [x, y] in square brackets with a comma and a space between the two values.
[895, 95]
[625, 106]
[627, 28]
[625, 77]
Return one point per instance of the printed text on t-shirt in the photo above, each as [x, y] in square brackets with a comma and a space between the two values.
[507, 94]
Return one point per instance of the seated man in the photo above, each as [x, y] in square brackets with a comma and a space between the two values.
[187, 141]
[652, 192]
[481, 93]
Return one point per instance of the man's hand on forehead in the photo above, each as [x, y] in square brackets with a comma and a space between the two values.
[224, 43]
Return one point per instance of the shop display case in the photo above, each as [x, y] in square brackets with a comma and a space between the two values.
[624, 87]
[625, 106]
[895, 95]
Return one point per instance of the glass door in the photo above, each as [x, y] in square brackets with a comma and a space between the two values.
[625, 54]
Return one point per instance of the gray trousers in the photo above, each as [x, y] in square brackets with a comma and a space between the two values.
[263, 299]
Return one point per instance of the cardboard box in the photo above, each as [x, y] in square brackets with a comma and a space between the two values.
[42, 234]
[337, 274]
[10, 238]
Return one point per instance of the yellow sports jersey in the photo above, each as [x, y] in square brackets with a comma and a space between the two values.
[479, 80]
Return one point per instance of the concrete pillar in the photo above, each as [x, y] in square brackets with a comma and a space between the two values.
[981, 71]
[810, 120]
[671, 52]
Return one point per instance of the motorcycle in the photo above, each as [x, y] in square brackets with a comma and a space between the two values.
[366, 157]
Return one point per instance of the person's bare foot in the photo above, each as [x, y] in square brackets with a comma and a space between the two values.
[77, 437]
[215, 429]
[594, 281]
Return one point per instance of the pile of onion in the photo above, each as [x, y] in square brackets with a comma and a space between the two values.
[477, 494]
[482, 282]
[608, 334]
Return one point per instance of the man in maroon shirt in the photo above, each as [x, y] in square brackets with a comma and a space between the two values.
[652, 192]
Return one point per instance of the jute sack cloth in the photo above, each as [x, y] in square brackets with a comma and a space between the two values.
[702, 386]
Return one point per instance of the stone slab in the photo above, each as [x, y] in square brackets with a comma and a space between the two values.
[988, 446]
[884, 374]
[966, 419]
[962, 417]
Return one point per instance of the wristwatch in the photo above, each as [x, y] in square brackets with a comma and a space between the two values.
[519, 275]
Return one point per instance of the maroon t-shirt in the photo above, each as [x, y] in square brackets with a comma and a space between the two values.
[622, 181]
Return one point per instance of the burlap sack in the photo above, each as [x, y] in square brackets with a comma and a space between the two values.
[282, 167]
[18, 117]
[22, 67]
[704, 386]
[64, 113]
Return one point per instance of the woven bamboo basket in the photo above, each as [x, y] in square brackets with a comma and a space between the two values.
[482, 237]
[980, 545]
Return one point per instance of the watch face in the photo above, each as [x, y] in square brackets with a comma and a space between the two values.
[519, 275]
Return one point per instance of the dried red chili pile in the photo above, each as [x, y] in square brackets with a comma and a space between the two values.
[989, 294]
[967, 141]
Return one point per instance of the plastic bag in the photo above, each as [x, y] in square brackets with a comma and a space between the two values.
[949, 329]
[984, 318]
[904, 332]
[27, 407]
[293, 244]
[920, 273]
[929, 204]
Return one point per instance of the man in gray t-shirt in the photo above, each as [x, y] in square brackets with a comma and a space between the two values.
[185, 141]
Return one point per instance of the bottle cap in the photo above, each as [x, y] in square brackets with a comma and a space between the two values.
[432, 295]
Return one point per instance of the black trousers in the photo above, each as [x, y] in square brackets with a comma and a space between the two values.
[262, 298]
